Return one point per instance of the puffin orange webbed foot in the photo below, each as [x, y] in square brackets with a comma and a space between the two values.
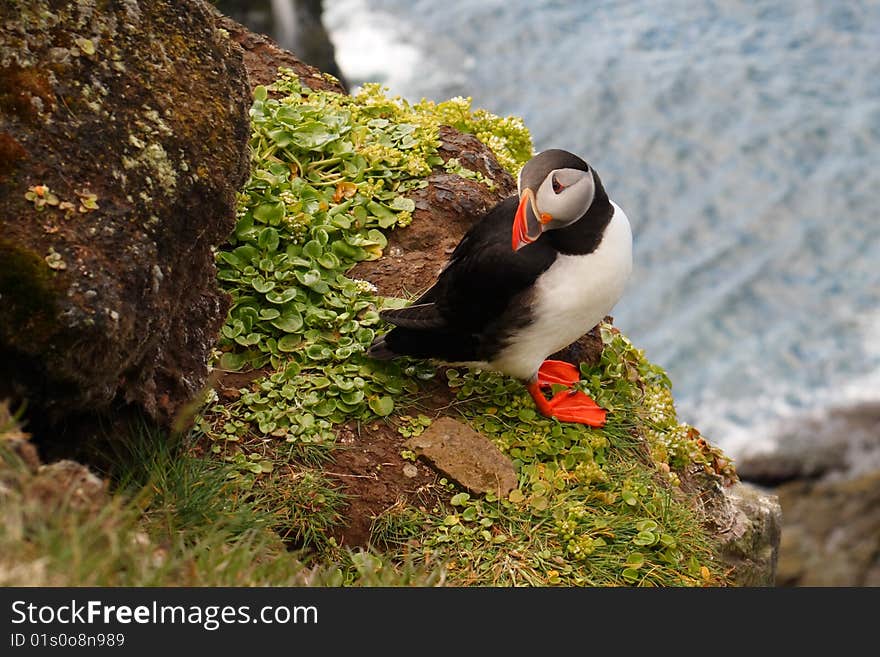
[557, 372]
[568, 405]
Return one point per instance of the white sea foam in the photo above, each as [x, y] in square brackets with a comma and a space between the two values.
[370, 45]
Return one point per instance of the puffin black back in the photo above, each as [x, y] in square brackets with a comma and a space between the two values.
[484, 274]
[479, 297]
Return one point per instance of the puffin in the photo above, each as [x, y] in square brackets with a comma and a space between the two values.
[530, 277]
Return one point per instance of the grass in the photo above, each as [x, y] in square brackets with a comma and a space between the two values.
[610, 517]
[397, 526]
[173, 518]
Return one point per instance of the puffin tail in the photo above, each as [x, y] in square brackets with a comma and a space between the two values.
[434, 345]
[422, 316]
[380, 350]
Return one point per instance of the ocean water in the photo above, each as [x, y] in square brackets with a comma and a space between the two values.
[743, 141]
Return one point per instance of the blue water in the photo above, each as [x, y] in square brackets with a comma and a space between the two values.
[741, 138]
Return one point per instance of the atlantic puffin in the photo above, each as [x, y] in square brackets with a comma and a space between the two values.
[530, 277]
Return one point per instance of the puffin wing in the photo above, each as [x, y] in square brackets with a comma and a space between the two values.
[481, 279]
[417, 316]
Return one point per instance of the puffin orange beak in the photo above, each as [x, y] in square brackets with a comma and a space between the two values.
[528, 226]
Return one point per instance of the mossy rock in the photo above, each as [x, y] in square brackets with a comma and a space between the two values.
[123, 136]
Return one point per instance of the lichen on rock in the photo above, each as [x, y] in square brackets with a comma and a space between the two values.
[134, 117]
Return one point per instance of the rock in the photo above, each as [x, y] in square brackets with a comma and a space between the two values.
[445, 210]
[123, 131]
[831, 535]
[262, 57]
[749, 533]
[301, 30]
[844, 442]
[745, 521]
[66, 485]
[312, 42]
[826, 470]
[36, 502]
[61, 487]
[465, 456]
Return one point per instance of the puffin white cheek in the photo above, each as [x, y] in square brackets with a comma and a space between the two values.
[568, 205]
[581, 195]
[548, 201]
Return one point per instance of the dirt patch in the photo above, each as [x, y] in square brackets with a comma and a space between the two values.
[445, 210]
[375, 477]
[229, 384]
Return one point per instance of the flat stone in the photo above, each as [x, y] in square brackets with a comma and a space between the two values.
[466, 457]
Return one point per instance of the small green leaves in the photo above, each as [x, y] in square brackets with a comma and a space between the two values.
[313, 249]
[352, 397]
[459, 499]
[312, 135]
[41, 196]
[269, 213]
[245, 255]
[635, 560]
[289, 342]
[646, 526]
[328, 260]
[290, 322]
[382, 406]
[232, 362]
[263, 286]
[55, 261]
[281, 297]
[87, 46]
[402, 204]
[268, 240]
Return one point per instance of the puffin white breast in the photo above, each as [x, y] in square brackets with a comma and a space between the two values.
[570, 298]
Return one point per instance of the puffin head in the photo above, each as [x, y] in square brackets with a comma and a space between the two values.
[556, 188]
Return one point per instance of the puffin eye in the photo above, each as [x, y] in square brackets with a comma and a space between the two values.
[557, 186]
